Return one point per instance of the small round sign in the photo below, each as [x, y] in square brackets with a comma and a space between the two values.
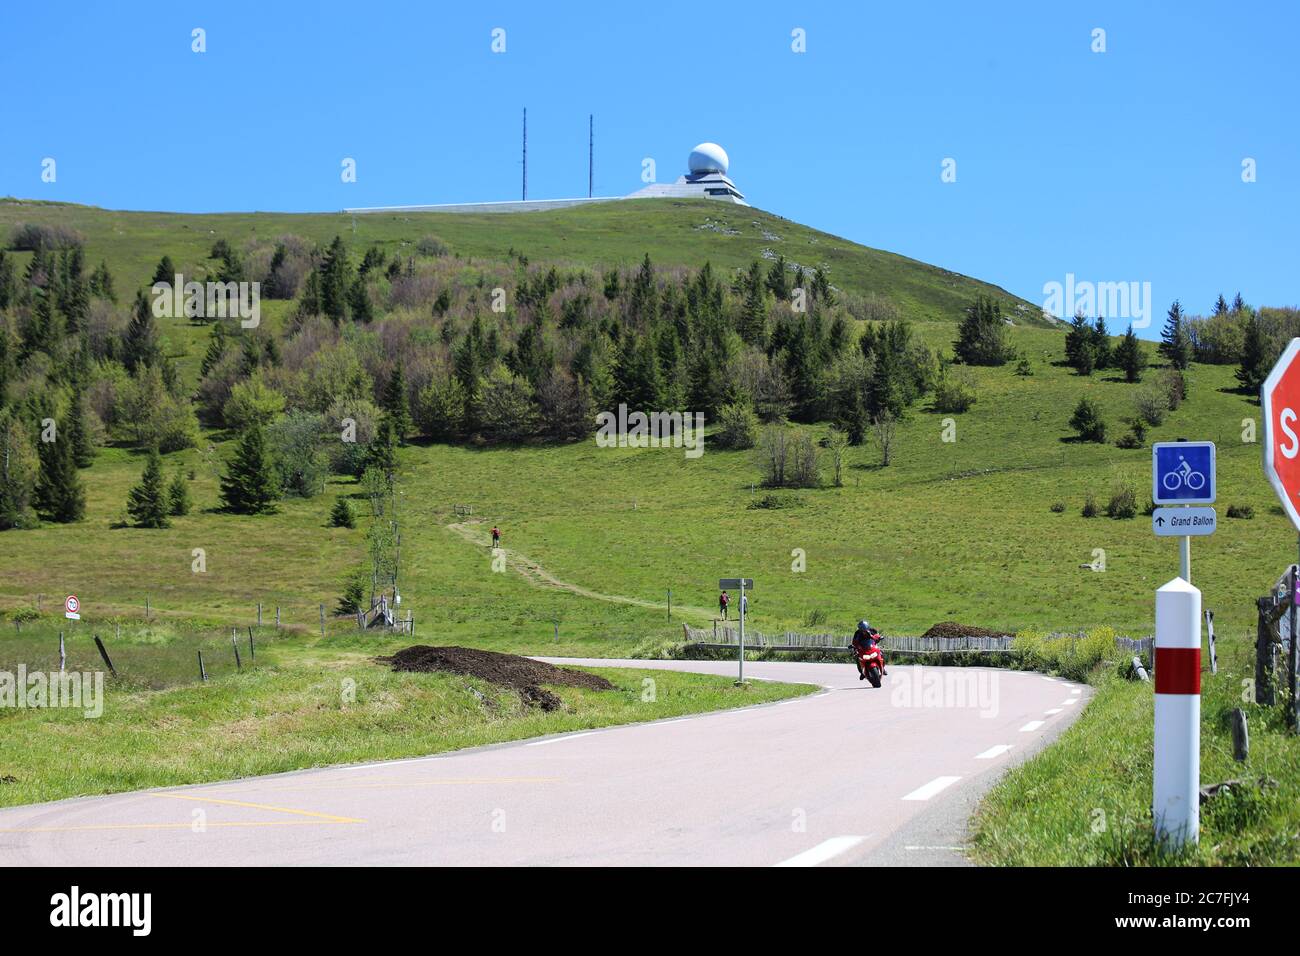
[71, 604]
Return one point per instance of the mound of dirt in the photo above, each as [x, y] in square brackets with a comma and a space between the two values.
[523, 675]
[953, 629]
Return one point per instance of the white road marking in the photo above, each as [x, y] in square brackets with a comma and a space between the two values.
[826, 850]
[930, 789]
[556, 740]
[1054, 710]
[1032, 726]
[1069, 700]
[992, 752]
[1075, 690]
[1052, 679]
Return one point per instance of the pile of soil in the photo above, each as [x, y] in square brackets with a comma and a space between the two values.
[523, 675]
[953, 629]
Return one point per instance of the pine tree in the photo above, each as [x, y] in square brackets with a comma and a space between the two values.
[1079, 345]
[1131, 356]
[249, 485]
[83, 452]
[1101, 343]
[752, 324]
[397, 405]
[335, 281]
[178, 495]
[981, 338]
[8, 284]
[1221, 305]
[1175, 339]
[140, 340]
[60, 493]
[341, 515]
[216, 349]
[165, 272]
[147, 501]
[1255, 356]
[382, 452]
[101, 283]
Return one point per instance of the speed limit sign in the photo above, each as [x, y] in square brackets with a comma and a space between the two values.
[72, 607]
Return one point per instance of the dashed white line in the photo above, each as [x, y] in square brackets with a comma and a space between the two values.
[826, 850]
[1031, 726]
[556, 740]
[1054, 710]
[1075, 690]
[1069, 700]
[936, 785]
[992, 752]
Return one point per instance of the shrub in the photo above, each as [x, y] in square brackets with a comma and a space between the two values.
[1152, 405]
[1136, 437]
[1122, 504]
[955, 392]
[356, 586]
[1174, 384]
[1087, 422]
[1058, 508]
[771, 502]
[432, 246]
[739, 427]
[1241, 511]
[30, 236]
[1089, 507]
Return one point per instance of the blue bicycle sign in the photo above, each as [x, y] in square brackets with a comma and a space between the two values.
[1182, 472]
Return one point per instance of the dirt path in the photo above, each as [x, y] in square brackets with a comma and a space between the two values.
[538, 576]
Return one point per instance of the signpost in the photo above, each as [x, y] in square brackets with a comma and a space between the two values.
[1182, 473]
[1183, 522]
[740, 584]
[72, 608]
[1279, 399]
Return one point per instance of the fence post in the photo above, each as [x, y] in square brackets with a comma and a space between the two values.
[1264, 651]
[252, 649]
[259, 613]
[277, 617]
[1240, 735]
[63, 654]
[1292, 658]
[147, 610]
[1209, 630]
[322, 620]
[1177, 777]
[104, 654]
[234, 642]
[203, 675]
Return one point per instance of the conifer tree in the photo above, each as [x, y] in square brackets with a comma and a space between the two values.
[1131, 356]
[165, 272]
[397, 405]
[1175, 339]
[249, 485]
[140, 340]
[83, 452]
[178, 495]
[147, 501]
[60, 493]
[1255, 358]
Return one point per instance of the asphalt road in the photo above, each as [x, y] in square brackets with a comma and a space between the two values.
[847, 775]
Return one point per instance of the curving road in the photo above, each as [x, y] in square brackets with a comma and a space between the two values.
[847, 775]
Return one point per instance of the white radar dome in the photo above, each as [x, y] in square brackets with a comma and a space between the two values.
[708, 158]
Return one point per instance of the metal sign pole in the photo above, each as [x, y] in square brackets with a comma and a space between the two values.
[741, 679]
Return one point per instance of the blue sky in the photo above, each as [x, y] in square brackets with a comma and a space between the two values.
[1117, 166]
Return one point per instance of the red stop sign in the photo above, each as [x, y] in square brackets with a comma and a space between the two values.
[1280, 398]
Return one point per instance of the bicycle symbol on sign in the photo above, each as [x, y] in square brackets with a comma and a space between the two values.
[1183, 475]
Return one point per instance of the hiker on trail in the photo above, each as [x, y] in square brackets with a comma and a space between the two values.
[496, 537]
[723, 601]
[744, 605]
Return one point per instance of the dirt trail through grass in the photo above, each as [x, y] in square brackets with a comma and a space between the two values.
[538, 576]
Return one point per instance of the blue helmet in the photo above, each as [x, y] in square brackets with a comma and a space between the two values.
[863, 626]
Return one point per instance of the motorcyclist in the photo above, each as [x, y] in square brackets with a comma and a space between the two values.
[864, 639]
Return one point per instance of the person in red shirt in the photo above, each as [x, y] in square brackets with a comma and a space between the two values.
[496, 537]
[723, 600]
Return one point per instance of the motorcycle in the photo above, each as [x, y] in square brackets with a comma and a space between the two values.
[871, 663]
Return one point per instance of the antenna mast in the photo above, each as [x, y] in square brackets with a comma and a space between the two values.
[525, 153]
[591, 153]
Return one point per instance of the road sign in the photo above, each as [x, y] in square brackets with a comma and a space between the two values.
[1280, 402]
[1181, 522]
[1182, 473]
[70, 607]
[731, 584]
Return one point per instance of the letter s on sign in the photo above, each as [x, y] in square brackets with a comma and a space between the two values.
[1284, 420]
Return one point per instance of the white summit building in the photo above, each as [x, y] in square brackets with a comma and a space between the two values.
[706, 179]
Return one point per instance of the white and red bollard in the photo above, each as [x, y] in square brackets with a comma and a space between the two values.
[1177, 785]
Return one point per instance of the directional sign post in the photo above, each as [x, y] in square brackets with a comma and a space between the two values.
[72, 608]
[1182, 473]
[732, 584]
[1279, 399]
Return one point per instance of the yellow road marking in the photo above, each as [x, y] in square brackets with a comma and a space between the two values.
[163, 826]
[333, 818]
[465, 781]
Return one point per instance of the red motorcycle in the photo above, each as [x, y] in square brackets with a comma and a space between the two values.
[871, 663]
